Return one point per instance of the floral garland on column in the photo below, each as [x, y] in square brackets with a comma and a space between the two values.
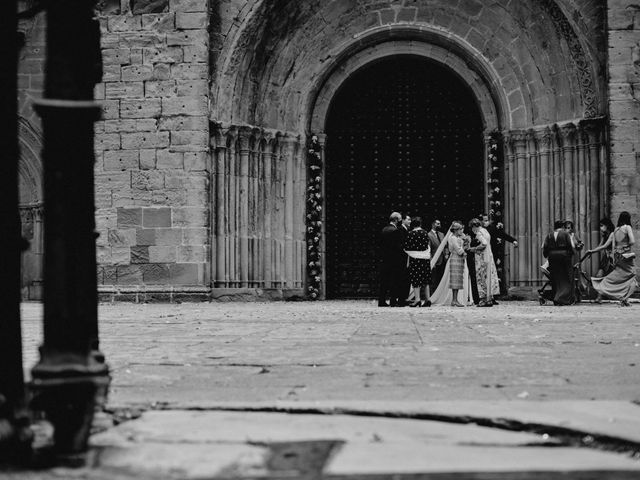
[314, 218]
[496, 194]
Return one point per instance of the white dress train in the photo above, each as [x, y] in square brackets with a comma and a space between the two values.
[443, 294]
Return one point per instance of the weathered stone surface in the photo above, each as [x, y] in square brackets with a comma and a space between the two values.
[120, 160]
[185, 274]
[184, 106]
[149, 6]
[142, 140]
[195, 236]
[190, 37]
[156, 273]
[162, 55]
[162, 254]
[160, 88]
[124, 23]
[180, 122]
[121, 255]
[124, 90]
[169, 236]
[190, 71]
[129, 217]
[122, 237]
[195, 161]
[128, 275]
[140, 254]
[190, 254]
[107, 141]
[156, 217]
[190, 217]
[143, 108]
[130, 125]
[137, 72]
[191, 20]
[159, 22]
[145, 236]
[188, 5]
[167, 159]
[147, 159]
[147, 180]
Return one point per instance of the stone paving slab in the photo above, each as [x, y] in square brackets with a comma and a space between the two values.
[206, 444]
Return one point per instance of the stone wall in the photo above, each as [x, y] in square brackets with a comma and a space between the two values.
[624, 109]
[152, 186]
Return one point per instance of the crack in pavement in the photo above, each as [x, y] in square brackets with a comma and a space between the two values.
[559, 436]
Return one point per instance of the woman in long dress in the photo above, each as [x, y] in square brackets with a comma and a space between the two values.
[486, 272]
[621, 283]
[457, 263]
[417, 248]
[443, 294]
[558, 248]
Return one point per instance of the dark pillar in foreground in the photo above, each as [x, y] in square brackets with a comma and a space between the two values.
[13, 428]
[71, 375]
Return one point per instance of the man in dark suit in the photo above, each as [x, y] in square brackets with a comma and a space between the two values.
[403, 228]
[392, 267]
[435, 239]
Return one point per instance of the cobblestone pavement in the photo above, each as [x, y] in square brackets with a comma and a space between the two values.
[201, 353]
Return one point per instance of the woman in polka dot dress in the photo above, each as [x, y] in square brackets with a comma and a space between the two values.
[417, 248]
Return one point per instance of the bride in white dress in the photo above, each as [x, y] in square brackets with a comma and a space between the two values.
[443, 294]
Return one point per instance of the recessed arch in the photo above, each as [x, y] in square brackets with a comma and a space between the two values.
[441, 47]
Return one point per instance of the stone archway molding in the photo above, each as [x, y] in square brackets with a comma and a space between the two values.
[30, 165]
[428, 42]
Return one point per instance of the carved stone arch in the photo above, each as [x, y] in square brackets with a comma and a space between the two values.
[30, 178]
[453, 53]
[30, 165]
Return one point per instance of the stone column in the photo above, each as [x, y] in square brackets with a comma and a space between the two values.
[219, 152]
[519, 146]
[267, 200]
[13, 418]
[243, 207]
[568, 133]
[546, 184]
[71, 375]
[289, 152]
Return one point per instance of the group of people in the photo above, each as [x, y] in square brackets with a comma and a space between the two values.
[455, 268]
[615, 278]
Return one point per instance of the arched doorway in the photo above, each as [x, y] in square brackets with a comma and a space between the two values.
[403, 133]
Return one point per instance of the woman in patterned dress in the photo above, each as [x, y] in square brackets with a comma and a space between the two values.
[417, 248]
[456, 262]
[486, 272]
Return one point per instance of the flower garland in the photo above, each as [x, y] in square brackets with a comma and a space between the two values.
[496, 200]
[314, 218]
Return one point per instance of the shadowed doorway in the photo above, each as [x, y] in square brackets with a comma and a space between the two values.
[403, 133]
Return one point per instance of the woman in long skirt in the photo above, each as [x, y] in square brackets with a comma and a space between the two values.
[621, 283]
[558, 249]
[456, 263]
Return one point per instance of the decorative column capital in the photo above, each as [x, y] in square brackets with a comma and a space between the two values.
[568, 133]
[244, 134]
[517, 141]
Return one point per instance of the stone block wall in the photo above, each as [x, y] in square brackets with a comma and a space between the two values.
[624, 109]
[152, 187]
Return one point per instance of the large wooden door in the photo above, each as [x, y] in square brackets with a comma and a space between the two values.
[403, 134]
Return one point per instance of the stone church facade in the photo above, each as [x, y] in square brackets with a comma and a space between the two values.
[254, 148]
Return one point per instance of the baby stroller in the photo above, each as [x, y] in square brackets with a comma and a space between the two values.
[583, 289]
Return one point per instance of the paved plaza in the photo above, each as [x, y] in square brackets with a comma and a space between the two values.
[199, 353]
[344, 389]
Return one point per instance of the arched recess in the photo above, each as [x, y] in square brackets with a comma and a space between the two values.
[461, 62]
[31, 209]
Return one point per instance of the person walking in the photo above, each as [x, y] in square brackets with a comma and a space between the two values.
[621, 283]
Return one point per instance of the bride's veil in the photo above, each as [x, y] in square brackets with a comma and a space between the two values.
[443, 295]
